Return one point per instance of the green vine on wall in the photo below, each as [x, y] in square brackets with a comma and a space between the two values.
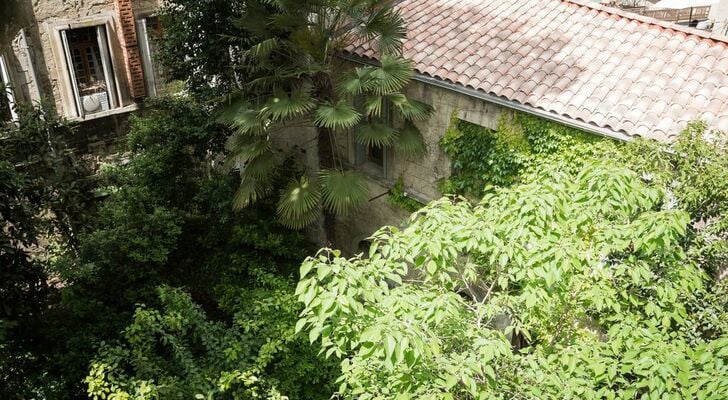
[483, 157]
[399, 197]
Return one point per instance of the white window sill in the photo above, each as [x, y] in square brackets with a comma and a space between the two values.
[107, 113]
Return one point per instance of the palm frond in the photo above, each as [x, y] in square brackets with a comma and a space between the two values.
[388, 27]
[356, 82]
[414, 109]
[375, 134]
[249, 122]
[283, 106]
[278, 4]
[300, 203]
[343, 191]
[261, 167]
[238, 113]
[230, 107]
[262, 49]
[410, 141]
[242, 148]
[267, 81]
[375, 104]
[392, 75]
[250, 191]
[336, 116]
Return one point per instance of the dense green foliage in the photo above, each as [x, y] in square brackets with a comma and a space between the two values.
[163, 241]
[44, 191]
[196, 42]
[694, 170]
[294, 79]
[482, 157]
[578, 267]
[569, 285]
[178, 352]
[169, 221]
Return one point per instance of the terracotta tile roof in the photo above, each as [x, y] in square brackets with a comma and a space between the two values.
[583, 61]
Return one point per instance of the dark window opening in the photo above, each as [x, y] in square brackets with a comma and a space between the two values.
[89, 67]
[375, 154]
[86, 56]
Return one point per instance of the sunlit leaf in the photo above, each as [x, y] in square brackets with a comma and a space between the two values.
[300, 203]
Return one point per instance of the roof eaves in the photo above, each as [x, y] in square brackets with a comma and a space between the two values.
[479, 94]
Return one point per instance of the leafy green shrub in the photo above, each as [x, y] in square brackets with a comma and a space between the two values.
[572, 285]
[45, 193]
[179, 352]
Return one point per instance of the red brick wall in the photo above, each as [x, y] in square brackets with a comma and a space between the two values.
[129, 44]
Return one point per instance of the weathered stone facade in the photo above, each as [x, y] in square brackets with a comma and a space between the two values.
[420, 175]
[35, 53]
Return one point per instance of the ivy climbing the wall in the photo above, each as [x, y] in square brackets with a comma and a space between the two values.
[483, 157]
[694, 171]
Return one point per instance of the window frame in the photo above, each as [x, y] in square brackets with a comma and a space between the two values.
[68, 87]
[361, 152]
[9, 92]
[151, 83]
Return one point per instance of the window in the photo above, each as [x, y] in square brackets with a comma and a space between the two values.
[7, 97]
[373, 159]
[148, 29]
[90, 71]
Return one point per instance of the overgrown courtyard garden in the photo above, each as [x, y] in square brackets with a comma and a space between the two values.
[557, 265]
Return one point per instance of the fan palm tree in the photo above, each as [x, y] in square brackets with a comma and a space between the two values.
[296, 76]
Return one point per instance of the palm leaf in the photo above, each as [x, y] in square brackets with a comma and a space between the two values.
[300, 203]
[242, 148]
[375, 134]
[238, 113]
[262, 49]
[260, 167]
[250, 191]
[343, 191]
[414, 110]
[392, 75]
[410, 142]
[231, 107]
[337, 116]
[284, 106]
[387, 25]
[356, 82]
[375, 104]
